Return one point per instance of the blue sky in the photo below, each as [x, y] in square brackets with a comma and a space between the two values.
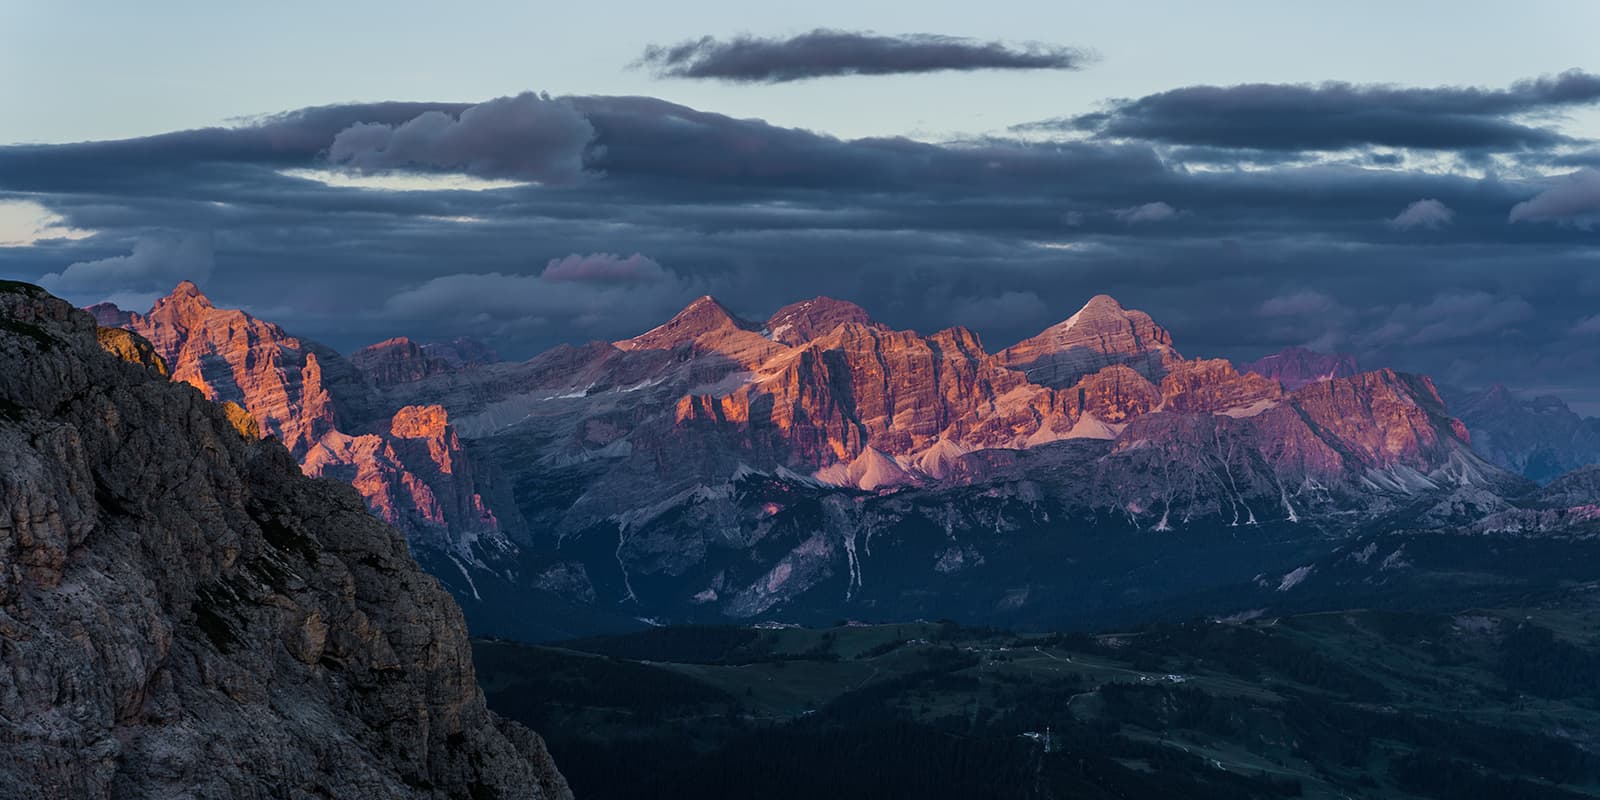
[102, 69]
[1439, 213]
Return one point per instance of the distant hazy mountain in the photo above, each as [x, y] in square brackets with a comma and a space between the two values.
[1537, 437]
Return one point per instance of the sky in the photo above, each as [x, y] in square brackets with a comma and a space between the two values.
[1415, 183]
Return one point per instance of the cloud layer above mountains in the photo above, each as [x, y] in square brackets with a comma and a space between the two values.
[1335, 116]
[1378, 216]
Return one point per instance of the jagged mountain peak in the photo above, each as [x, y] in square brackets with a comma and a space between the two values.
[1103, 309]
[704, 316]
[185, 297]
[1102, 333]
[798, 323]
[707, 328]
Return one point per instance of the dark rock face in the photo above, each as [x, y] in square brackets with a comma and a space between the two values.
[397, 360]
[400, 360]
[183, 614]
[1297, 366]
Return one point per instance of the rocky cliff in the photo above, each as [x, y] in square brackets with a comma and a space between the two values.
[400, 360]
[1099, 335]
[183, 614]
[407, 462]
[1297, 366]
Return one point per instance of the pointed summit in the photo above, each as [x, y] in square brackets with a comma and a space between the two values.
[1099, 335]
[698, 319]
[798, 323]
[189, 292]
[706, 326]
[184, 306]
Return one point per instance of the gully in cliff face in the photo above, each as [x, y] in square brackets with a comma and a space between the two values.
[183, 614]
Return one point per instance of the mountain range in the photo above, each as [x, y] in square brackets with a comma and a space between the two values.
[819, 464]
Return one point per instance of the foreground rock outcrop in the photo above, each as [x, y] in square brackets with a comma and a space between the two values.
[328, 410]
[183, 614]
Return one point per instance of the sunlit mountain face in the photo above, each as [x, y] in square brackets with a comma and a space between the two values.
[1071, 402]
[820, 464]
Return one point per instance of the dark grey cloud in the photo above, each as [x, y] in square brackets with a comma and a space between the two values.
[1337, 116]
[603, 268]
[1004, 236]
[156, 263]
[823, 53]
[502, 304]
[526, 137]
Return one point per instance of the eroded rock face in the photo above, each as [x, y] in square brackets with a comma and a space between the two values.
[863, 386]
[410, 467]
[1206, 386]
[1101, 334]
[288, 384]
[400, 360]
[133, 348]
[183, 614]
[397, 360]
[1296, 366]
[418, 477]
[798, 323]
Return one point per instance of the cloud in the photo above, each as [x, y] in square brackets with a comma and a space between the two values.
[530, 137]
[1453, 316]
[1576, 198]
[1149, 212]
[1588, 326]
[602, 293]
[1007, 307]
[24, 223]
[1337, 116]
[157, 262]
[925, 235]
[1426, 213]
[828, 53]
[1308, 302]
[603, 268]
